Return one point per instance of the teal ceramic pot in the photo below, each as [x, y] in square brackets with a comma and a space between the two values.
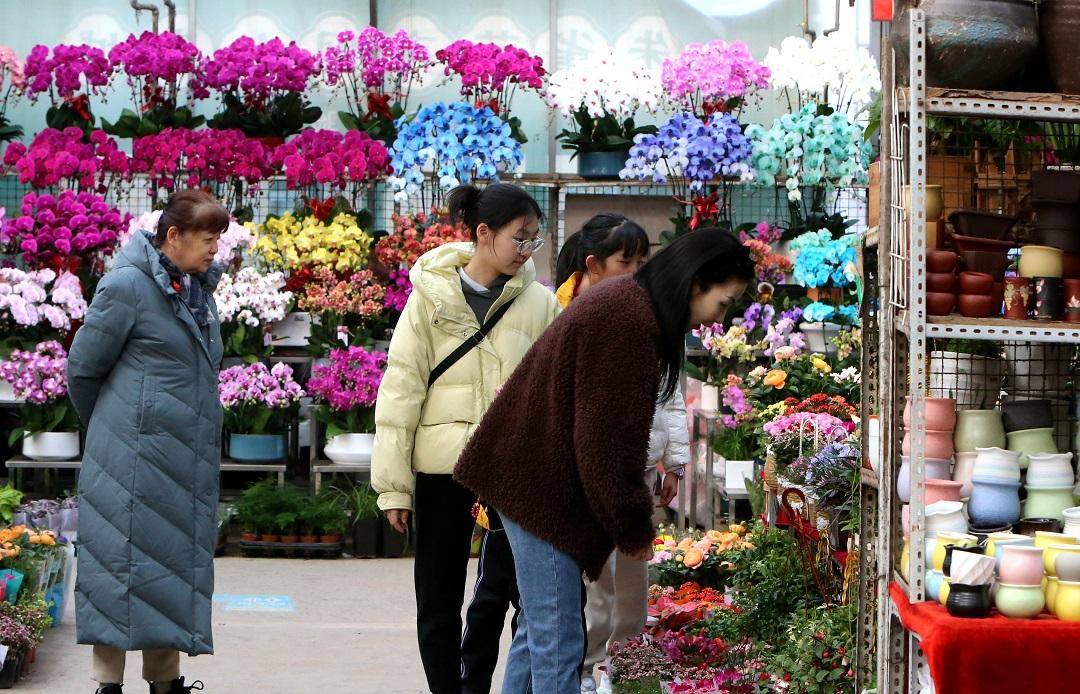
[257, 448]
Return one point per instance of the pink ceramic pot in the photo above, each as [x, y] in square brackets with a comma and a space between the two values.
[1021, 565]
[939, 444]
[940, 412]
[942, 490]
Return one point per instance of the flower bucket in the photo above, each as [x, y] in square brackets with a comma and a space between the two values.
[350, 449]
[7, 393]
[819, 337]
[257, 448]
[292, 331]
[52, 446]
[596, 165]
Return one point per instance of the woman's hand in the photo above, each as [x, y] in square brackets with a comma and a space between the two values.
[669, 489]
[398, 519]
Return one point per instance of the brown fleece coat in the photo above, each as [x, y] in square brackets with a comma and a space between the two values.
[561, 450]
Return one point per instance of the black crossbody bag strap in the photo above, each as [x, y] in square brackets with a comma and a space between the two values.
[468, 344]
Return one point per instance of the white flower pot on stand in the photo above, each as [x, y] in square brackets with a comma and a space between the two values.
[292, 331]
[819, 336]
[51, 446]
[710, 398]
[350, 449]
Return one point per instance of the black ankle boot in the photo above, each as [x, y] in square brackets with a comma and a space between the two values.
[110, 689]
[177, 686]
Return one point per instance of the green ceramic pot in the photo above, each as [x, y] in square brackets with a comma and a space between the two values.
[978, 429]
[1019, 602]
[1028, 441]
[1043, 502]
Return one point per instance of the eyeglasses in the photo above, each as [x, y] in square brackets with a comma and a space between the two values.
[530, 246]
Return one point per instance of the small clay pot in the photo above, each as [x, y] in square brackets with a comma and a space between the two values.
[991, 262]
[1029, 526]
[1070, 266]
[1049, 298]
[976, 306]
[943, 282]
[968, 601]
[976, 283]
[1017, 298]
[940, 261]
[1072, 315]
[940, 303]
[1072, 294]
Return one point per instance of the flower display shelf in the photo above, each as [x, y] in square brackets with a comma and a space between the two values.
[20, 463]
[323, 467]
[299, 550]
[995, 329]
[965, 655]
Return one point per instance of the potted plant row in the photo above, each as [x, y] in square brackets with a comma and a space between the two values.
[372, 535]
[288, 518]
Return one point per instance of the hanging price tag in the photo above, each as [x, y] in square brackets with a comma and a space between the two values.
[883, 10]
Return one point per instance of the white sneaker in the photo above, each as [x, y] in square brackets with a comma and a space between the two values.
[605, 684]
[588, 685]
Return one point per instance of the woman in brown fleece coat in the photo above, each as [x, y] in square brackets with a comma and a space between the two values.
[560, 452]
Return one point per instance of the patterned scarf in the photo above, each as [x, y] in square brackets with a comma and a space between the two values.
[190, 290]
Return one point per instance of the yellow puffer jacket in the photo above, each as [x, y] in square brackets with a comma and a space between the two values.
[417, 430]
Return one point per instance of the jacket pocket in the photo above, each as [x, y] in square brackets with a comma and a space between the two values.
[147, 404]
[449, 404]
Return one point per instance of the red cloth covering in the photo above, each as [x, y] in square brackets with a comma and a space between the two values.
[995, 654]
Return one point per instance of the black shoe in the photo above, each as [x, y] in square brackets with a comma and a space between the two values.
[177, 686]
[110, 689]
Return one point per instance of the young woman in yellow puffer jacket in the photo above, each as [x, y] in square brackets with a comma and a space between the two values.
[421, 427]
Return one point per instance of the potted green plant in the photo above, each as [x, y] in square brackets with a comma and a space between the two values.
[259, 403]
[333, 521]
[252, 510]
[362, 504]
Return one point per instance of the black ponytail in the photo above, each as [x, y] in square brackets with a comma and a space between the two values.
[496, 205]
[603, 236]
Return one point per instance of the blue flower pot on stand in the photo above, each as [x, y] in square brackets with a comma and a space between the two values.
[996, 502]
[600, 165]
[257, 448]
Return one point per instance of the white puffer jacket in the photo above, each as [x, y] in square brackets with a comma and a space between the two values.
[669, 442]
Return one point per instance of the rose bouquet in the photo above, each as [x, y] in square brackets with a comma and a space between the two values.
[291, 244]
[40, 378]
[808, 150]
[771, 267]
[344, 163]
[12, 84]
[830, 73]
[70, 75]
[491, 74]
[450, 144]
[602, 96]
[257, 399]
[715, 77]
[70, 231]
[349, 309]
[157, 68]
[345, 388]
[36, 306]
[248, 302]
[262, 86]
[690, 155]
[694, 556]
[377, 74]
[66, 159]
[414, 235]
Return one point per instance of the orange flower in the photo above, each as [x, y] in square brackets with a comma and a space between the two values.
[693, 558]
[686, 544]
[738, 528]
[776, 378]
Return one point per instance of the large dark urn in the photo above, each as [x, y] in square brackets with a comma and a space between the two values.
[1059, 24]
[972, 44]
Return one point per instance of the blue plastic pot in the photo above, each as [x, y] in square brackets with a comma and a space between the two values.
[996, 502]
[257, 448]
[601, 164]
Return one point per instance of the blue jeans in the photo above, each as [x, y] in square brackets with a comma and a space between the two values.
[545, 656]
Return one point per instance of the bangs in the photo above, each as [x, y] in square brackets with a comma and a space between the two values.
[630, 239]
[211, 217]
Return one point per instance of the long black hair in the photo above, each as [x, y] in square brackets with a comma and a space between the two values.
[496, 205]
[705, 257]
[602, 236]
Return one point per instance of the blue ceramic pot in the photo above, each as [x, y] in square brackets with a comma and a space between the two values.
[257, 448]
[593, 165]
[934, 580]
[996, 502]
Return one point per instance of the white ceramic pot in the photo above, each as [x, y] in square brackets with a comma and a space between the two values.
[710, 398]
[873, 442]
[292, 331]
[973, 381]
[945, 515]
[1050, 470]
[933, 469]
[1037, 368]
[52, 446]
[962, 472]
[997, 465]
[350, 449]
[7, 393]
[819, 336]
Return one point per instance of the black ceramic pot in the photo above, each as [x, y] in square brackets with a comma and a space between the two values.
[1049, 185]
[1062, 215]
[968, 601]
[980, 224]
[1018, 415]
[1065, 238]
[1029, 526]
[946, 567]
[982, 531]
[1049, 298]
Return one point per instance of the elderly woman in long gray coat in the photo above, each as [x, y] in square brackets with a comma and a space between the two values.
[143, 375]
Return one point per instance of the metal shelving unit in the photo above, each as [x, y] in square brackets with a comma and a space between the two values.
[905, 329]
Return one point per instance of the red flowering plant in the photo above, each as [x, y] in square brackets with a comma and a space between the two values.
[325, 160]
[377, 72]
[415, 235]
[347, 308]
[69, 75]
[491, 74]
[59, 159]
[158, 68]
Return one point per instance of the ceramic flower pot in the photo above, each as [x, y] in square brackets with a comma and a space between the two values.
[1051, 553]
[51, 446]
[940, 283]
[1045, 539]
[935, 469]
[1047, 502]
[1050, 593]
[1049, 299]
[1030, 526]
[997, 548]
[972, 568]
[942, 490]
[1017, 415]
[989, 539]
[978, 429]
[939, 444]
[968, 601]
[1017, 298]
[1072, 521]
[1040, 261]
[973, 381]
[940, 303]
[1038, 368]
[292, 331]
[905, 559]
[350, 449]
[710, 398]
[1019, 602]
[1028, 441]
[943, 592]
[962, 471]
[952, 550]
[947, 542]
[934, 580]
[996, 464]
[977, 305]
[1067, 601]
[940, 411]
[945, 516]
[1050, 470]
[601, 165]
[934, 203]
[1021, 565]
[819, 336]
[994, 502]
[257, 448]
[1067, 566]
[940, 261]
[976, 283]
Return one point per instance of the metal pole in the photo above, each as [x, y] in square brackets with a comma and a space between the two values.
[553, 65]
[192, 9]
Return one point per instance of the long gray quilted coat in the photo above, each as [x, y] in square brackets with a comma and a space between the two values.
[143, 374]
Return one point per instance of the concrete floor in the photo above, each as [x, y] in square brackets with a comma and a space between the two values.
[352, 630]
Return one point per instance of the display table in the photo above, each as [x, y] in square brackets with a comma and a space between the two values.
[995, 654]
[318, 469]
[19, 463]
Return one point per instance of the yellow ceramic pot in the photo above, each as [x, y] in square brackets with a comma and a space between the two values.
[943, 592]
[1051, 591]
[905, 555]
[943, 540]
[1050, 555]
[1067, 605]
[990, 548]
[1040, 261]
